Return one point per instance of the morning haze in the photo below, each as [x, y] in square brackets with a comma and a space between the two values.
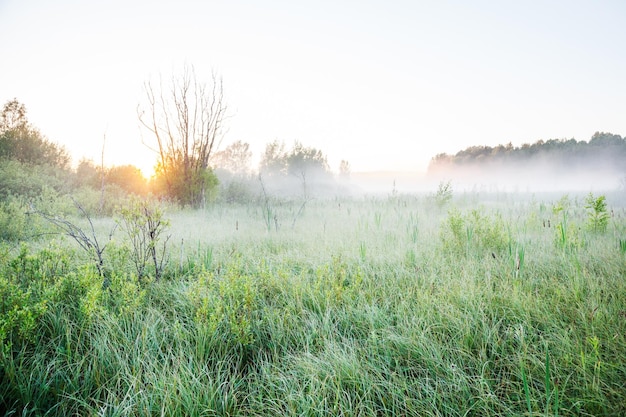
[353, 209]
[383, 85]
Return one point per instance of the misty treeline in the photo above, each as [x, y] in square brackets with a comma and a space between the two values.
[33, 167]
[185, 119]
[35, 170]
[297, 171]
[605, 152]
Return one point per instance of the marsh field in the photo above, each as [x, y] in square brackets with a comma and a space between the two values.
[470, 304]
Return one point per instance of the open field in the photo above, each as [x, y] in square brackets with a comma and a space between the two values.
[488, 304]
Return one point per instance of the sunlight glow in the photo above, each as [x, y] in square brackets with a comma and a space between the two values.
[384, 85]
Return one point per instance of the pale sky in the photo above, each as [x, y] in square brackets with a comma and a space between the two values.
[383, 84]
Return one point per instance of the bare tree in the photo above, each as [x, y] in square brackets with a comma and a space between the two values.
[87, 240]
[186, 121]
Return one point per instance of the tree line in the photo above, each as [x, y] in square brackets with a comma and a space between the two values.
[605, 150]
[190, 170]
[31, 164]
[185, 118]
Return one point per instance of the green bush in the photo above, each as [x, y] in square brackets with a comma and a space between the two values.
[97, 203]
[125, 295]
[236, 191]
[567, 234]
[13, 220]
[597, 213]
[227, 304]
[30, 181]
[20, 309]
[144, 224]
[26, 288]
[444, 194]
[474, 233]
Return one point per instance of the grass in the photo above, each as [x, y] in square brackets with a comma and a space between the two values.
[350, 312]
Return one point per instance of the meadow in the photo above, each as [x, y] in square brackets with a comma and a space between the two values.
[480, 304]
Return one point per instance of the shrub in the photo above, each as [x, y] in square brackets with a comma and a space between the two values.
[144, 224]
[473, 233]
[566, 234]
[30, 181]
[597, 214]
[26, 287]
[20, 310]
[227, 304]
[444, 194]
[13, 224]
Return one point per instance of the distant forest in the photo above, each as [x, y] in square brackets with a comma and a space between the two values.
[604, 152]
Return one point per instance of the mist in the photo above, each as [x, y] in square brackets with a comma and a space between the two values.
[551, 166]
[530, 177]
[533, 176]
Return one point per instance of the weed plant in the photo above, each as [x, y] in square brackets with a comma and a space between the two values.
[367, 307]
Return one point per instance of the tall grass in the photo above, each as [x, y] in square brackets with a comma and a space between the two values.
[328, 318]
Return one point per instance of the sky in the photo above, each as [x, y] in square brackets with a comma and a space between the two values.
[385, 85]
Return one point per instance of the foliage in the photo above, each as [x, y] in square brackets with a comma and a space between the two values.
[303, 160]
[473, 233]
[236, 190]
[125, 295]
[127, 177]
[186, 187]
[32, 166]
[566, 234]
[233, 171]
[14, 224]
[597, 213]
[353, 315]
[274, 159]
[603, 148]
[17, 222]
[187, 123]
[26, 289]
[235, 158]
[299, 161]
[30, 181]
[87, 174]
[101, 201]
[19, 141]
[144, 224]
[20, 310]
[301, 170]
[444, 194]
[227, 304]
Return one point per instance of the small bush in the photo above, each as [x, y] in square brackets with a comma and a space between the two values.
[444, 194]
[473, 233]
[144, 224]
[567, 234]
[597, 214]
[26, 288]
[13, 224]
[20, 309]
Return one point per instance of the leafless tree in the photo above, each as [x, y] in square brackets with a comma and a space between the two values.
[86, 239]
[186, 121]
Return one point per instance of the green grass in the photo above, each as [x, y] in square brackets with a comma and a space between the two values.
[371, 307]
